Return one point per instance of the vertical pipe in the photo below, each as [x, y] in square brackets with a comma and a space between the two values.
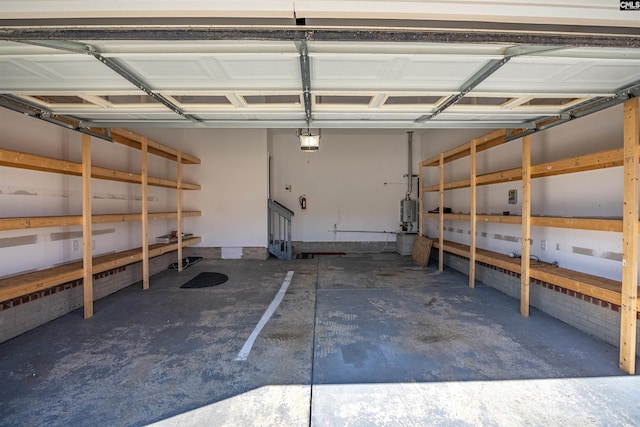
[410, 165]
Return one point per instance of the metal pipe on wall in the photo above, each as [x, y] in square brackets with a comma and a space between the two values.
[410, 166]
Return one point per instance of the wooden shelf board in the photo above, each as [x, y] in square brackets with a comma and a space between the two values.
[23, 284]
[588, 162]
[20, 160]
[593, 224]
[133, 140]
[23, 223]
[484, 142]
[598, 287]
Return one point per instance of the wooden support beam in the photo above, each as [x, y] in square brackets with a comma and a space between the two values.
[526, 226]
[628, 308]
[493, 138]
[87, 239]
[133, 140]
[587, 162]
[145, 215]
[179, 203]
[16, 159]
[24, 284]
[420, 202]
[441, 215]
[472, 215]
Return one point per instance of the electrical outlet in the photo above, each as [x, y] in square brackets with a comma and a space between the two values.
[543, 244]
[74, 245]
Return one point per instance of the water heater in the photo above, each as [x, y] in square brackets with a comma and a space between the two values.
[408, 210]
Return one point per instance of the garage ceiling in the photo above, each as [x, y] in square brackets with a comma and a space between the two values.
[288, 76]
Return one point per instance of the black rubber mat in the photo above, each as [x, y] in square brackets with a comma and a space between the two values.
[206, 280]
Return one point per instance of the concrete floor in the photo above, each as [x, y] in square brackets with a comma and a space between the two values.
[358, 340]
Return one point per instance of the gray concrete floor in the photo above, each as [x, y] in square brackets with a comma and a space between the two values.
[358, 340]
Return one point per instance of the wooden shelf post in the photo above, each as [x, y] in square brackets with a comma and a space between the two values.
[472, 215]
[145, 214]
[628, 308]
[420, 202]
[179, 205]
[441, 215]
[87, 239]
[526, 226]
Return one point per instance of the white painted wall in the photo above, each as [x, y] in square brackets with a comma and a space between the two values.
[33, 193]
[595, 193]
[355, 181]
[233, 176]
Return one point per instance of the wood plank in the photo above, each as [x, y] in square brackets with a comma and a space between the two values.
[491, 139]
[24, 223]
[595, 224]
[145, 214]
[472, 214]
[500, 219]
[87, 239]
[420, 202]
[629, 297]
[179, 203]
[133, 140]
[587, 162]
[24, 284]
[598, 287]
[21, 160]
[449, 216]
[526, 226]
[441, 215]
[422, 250]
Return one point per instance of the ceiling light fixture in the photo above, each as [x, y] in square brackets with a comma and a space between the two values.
[308, 142]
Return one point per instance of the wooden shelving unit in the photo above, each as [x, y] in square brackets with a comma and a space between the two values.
[624, 293]
[23, 284]
[23, 223]
[15, 286]
[598, 287]
[593, 224]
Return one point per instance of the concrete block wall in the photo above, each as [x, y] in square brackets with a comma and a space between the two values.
[590, 315]
[252, 252]
[22, 314]
[358, 247]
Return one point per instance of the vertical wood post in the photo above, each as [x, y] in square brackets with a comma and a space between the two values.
[628, 308]
[441, 215]
[145, 214]
[526, 226]
[420, 202]
[87, 253]
[179, 204]
[472, 215]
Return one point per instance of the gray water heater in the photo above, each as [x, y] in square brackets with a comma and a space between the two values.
[408, 210]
